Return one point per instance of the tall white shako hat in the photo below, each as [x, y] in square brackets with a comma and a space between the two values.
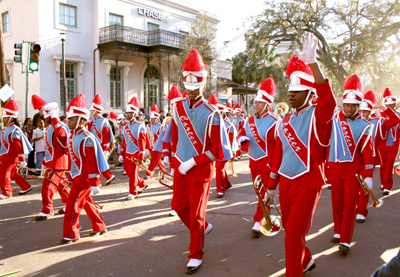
[266, 91]
[300, 74]
[117, 117]
[174, 94]
[133, 105]
[353, 90]
[388, 97]
[213, 100]
[96, 103]
[369, 101]
[237, 108]
[229, 107]
[154, 113]
[77, 107]
[11, 109]
[195, 73]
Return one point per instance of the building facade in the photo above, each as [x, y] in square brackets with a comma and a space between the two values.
[116, 48]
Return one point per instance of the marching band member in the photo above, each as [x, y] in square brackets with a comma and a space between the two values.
[198, 139]
[302, 138]
[14, 147]
[55, 158]
[101, 129]
[154, 130]
[350, 154]
[229, 113]
[391, 148]
[133, 147]
[381, 125]
[258, 139]
[239, 123]
[121, 121]
[221, 177]
[87, 162]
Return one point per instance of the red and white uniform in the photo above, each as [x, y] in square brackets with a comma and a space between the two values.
[154, 131]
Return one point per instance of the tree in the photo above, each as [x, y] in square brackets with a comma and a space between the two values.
[355, 36]
[201, 37]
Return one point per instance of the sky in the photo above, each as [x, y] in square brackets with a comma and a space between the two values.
[232, 15]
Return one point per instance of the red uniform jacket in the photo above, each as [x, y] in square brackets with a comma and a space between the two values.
[58, 158]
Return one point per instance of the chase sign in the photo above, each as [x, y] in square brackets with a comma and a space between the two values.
[155, 15]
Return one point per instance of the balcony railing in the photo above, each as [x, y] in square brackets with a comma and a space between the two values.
[141, 37]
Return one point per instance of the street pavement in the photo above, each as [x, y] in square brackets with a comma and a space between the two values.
[144, 241]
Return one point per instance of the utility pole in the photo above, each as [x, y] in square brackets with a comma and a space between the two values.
[3, 78]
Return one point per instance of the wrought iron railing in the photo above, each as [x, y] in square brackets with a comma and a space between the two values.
[141, 37]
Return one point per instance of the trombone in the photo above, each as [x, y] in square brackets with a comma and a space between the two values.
[377, 203]
[270, 224]
[141, 165]
[24, 173]
[232, 168]
[163, 177]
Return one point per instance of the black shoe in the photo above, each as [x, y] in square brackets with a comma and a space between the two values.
[40, 218]
[145, 187]
[93, 234]
[343, 249]
[311, 267]
[335, 240]
[228, 187]
[192, 269]
[360, 220]
[255, 233]
[67, 241]
[109, 181]
[61, 211]
[146, 177]
[22, 192]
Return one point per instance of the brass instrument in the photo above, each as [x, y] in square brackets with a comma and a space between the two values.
[166, 120]
[111, 150]
[163, 176]
[283, 106]
[377, 203]
[270, 224]
[231, 165]
[24, 173]
[141, 165]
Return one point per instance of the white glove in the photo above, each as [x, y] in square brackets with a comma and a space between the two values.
[22, 164]
[242, 139]
[186, 166]
[271, 195]
[310, 43]
[95, 190]
[54, 112]
[121, 159]
[369, 182]
[166, 159]
[106, 152]
[172, 172]
[146, 153]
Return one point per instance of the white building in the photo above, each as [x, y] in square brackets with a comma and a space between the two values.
[137, 37]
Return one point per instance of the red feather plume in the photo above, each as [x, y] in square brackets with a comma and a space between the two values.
[37, 102]
[11, 105]
[98, 100]
[174, 93]
[269, 86]
[371, 96]
[155, 108]
[353, 83]
[213, 100]
[295, 64]
[113, 115]
[134, 101]
[79, 101]
[194, 62]
[387, 92]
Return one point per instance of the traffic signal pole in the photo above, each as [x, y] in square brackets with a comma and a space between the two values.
[27, 88]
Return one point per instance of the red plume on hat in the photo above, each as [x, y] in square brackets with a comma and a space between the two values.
[296, 64]
[353, 90]
[11, 109]
[388, 97]
[300, 74]
[194, 62]
[266, 91]
[237, 107]
[38, 102]
[79, 101]
[174, 93]
[96, 103]
[113, 115]
[154, 112]
[213, 100]
[369, 101]
[133, 105]
[388, 92]
[353, 83]
[229, 107]
[155, 108]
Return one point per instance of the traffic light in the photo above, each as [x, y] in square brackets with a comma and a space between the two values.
[34, 57]
[18, 52]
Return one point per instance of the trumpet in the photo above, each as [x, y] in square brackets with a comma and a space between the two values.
[377, 203]
[141, 165]
[270, 224]
[24, 173]
[232, 168]
[163, 176]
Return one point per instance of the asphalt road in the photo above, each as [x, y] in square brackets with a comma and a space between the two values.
[144, 241]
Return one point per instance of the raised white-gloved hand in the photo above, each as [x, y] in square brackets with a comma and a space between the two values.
[22, 164]
[369, 182]
[242, 139]
[106, 152]
[54, 112]
[310, 43]
[121, 159]
[271, 195]
[172, 172]
[166, 159]
[95, 190]
[146, 153]
[186, 166]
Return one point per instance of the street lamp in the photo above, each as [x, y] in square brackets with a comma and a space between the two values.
[64, 84]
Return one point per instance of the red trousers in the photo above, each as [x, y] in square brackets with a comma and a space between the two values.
[132, 170]
[362, 203]
[328, 174]
[49, 188]
[156, 161]
[345, 190]
[264, 177]
[221, 178]
[190, 202]
[107, 174]
[389, 154]
[298, 205]
[79, 198]
[8, 171]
